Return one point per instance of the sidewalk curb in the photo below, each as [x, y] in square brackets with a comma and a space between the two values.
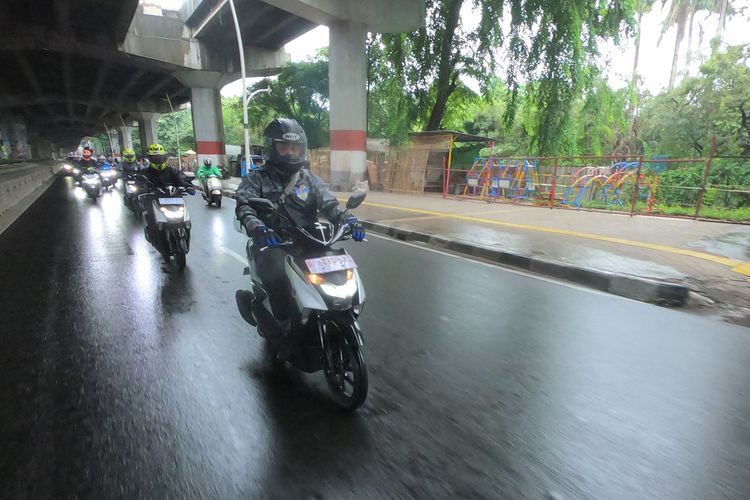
[632, 287]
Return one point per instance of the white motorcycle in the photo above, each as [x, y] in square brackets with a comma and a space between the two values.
[212, 191]
[325, 301]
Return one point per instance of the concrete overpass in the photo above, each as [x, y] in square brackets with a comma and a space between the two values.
[69, 66]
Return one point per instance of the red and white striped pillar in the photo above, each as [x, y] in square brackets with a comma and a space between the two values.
[347, 73]
[208, 126]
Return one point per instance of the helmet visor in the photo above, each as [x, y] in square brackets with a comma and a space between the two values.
[158, 161]
[290, 152]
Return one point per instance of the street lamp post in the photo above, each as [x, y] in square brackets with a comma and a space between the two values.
[247, 137]
[245, 97]
[245, 100]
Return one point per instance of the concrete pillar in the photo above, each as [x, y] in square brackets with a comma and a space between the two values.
[347, 74]
[147, 130]
[21, 149]
[208, 125]
[125, 138]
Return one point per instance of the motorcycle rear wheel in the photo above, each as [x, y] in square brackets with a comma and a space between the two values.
[347, 378]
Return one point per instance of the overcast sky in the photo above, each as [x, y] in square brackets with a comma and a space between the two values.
[655, 61]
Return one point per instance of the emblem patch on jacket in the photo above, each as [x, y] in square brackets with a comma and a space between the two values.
[302, 192]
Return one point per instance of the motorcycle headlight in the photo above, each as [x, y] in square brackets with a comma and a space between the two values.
[177, 213]
[67, 167]
[345, 291]
[91, 181]
[316, 279]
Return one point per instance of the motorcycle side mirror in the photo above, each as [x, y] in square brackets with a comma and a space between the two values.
[355, 200]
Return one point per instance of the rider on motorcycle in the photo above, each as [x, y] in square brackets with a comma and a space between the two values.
[129, 164]
[101, 163]
[298, 194]
[159, 174]
[130, 168]
[86, 163]
[205, 171]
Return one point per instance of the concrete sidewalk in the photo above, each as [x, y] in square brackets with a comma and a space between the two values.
[647, 258]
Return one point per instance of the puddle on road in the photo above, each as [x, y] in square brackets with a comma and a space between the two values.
[735, 245]
[606, 261]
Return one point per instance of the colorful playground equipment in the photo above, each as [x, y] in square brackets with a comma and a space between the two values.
[600, 187]
[490, 178]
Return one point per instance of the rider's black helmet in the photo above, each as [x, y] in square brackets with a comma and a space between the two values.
[207, 163]
[280, 133]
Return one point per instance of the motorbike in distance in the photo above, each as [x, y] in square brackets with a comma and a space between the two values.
[326, 300]
[212, 191]
[130, 197]
[91, 183]
[172, 218]
[109, 178]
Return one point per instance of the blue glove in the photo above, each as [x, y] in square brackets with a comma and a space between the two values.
[190, 191]
[266, 237]
[358, 230]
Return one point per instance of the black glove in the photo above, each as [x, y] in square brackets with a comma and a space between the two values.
[266, 237]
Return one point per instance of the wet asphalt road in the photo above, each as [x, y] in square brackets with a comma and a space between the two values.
[122, 379]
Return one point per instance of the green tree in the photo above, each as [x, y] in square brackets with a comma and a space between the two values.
[681, 122]
[299, 92]
[548, 41]
[172, 125]
[679, 12]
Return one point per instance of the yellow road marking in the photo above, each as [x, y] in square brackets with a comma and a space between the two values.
[743, 268]
[429, 217]
[735, 265]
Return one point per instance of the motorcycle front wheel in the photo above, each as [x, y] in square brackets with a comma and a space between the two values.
[345, 370]
[181, 260]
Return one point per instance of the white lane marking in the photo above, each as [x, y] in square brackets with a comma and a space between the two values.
[503, 268]
[234, 254]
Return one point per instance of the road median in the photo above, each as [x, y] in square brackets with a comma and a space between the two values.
[20, 186]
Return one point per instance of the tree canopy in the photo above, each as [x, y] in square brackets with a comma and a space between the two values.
[550, 43]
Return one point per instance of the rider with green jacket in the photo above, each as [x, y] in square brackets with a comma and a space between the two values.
[205, 171]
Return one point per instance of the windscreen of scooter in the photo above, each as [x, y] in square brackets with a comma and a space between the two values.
[321, 231]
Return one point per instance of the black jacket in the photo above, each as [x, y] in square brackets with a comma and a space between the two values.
[129, 167]
[87, 164]
[307, 198]
[167, 177]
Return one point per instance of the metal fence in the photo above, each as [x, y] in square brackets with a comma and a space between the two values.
[635, 185]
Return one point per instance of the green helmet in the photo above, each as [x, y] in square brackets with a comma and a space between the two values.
[157, 157]
[128, 155]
